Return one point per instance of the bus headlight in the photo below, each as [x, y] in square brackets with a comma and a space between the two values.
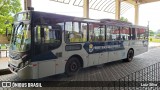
[21, 65]
[26, 63]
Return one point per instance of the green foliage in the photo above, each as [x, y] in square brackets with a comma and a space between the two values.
[158, 34]
[124, 19]
[151, 39]
[151, 33]
[7, 10]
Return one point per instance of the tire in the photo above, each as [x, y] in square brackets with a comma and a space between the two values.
[130, 56]
[72, 66]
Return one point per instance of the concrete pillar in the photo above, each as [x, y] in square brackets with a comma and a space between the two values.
[117, 9]
[27, 3]
[136, 18]
[86, 8]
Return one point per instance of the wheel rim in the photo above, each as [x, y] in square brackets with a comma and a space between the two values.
[73, 67]
[130, 55]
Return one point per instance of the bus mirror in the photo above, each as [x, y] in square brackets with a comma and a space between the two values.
[42, 32]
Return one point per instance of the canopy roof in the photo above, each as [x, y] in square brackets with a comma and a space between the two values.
[106, 5]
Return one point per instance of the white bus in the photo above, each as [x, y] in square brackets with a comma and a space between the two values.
[45, 44]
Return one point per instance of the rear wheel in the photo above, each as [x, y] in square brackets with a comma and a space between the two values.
[130, 56]
[72, 66]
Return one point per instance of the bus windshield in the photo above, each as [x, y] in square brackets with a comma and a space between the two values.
[21, 38]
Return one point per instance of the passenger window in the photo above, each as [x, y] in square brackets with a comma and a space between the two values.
[140, 34]
[124, 33]
[75, 32]
[108, 33]
[115, 33]
[37, 34]
[133, 35]
[51, 34]
[96, 32]
[84, 31]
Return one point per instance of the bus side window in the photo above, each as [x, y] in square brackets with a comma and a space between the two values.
[141, 33]
[84, 31]
[114, 33]
[37, 34]
[108, 33]
[96, 32]
[92, 35]
[125, 33]
[133, 34]
[75, 32]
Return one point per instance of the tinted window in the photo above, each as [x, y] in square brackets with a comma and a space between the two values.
[140, 34]
[96, 32]
[75, 32]
[124, 33]
[113, 33]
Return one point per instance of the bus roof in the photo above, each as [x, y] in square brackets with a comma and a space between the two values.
[63, 17]
[137, 26]
[60, 17]
[115, 22]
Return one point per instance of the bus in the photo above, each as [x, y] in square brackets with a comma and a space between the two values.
[44, 44]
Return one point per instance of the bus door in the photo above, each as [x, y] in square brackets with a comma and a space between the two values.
[47, 39]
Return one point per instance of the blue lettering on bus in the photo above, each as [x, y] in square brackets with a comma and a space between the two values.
[98, 47]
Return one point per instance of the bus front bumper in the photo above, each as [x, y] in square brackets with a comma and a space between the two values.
[23, 73]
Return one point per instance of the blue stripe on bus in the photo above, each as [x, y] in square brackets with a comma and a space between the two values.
[44, 56]
[98, 47]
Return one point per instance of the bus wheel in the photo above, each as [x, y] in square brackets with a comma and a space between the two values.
[72, 66]
[130, 56]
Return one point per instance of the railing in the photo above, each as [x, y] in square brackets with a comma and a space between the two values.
[145, 79]
[3, 50]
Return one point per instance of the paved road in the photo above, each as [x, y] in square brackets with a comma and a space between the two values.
[107, 72]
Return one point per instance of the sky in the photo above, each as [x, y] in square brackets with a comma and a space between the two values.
[147, 12]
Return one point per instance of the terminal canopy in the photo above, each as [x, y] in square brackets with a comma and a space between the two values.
[100, 5]
[106, 5]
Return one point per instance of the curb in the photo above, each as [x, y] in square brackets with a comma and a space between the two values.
[5, 71]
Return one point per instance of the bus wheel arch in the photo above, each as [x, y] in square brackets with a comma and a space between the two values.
[130, 55]
[74, 61]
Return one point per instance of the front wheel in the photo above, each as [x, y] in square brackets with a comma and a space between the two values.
[130, 56]
[72, 66]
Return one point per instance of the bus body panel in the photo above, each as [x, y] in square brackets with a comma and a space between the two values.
[46, 68]
[103, 58]
[139, 46]
[91, 52]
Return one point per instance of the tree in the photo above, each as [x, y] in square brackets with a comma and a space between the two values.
[124, 19]
[7, 10]
[151, 33]
[158, 34]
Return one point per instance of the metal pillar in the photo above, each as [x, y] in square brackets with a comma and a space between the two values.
[136, 18]
[27, 3]
[117, 9]
[86, 8]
